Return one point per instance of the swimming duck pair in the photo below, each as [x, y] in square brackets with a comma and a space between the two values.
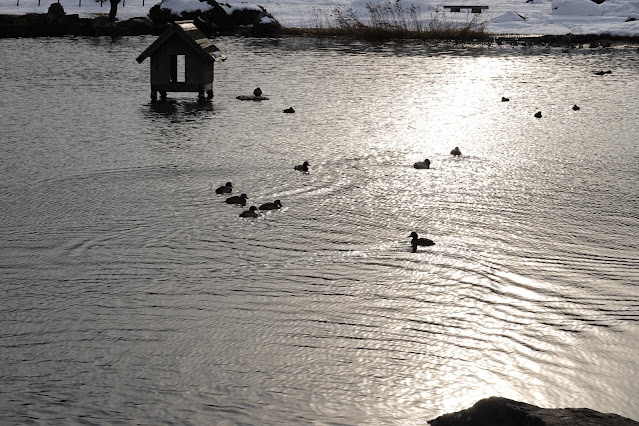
[252, 211]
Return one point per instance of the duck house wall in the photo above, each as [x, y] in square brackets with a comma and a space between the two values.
[198, 72]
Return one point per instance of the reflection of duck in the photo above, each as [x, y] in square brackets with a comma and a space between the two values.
[289, 110]
[257, 92]
[456, 152]
[251, 212]
[538, 114]
[226, 189]
[237, 199]
[416, 241]
[271, 206]
[575, 108]
[302, 167]
[422, 164]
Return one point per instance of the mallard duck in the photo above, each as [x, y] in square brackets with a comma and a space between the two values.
[289, 110]
[237, 199]
[422, 164]
[575, 108]
[251, 212]
[505, 99]
[227, 188]
[538, 114]
[416, 241]
[302, 167]
[271, 206]
[456, 152]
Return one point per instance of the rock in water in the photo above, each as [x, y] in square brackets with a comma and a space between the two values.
[506, 412]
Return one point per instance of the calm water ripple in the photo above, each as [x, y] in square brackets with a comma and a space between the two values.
[134, 294]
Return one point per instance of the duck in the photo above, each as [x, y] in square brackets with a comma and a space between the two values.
[289, 110]
[575, 108]
[237, 199]
[416, 241]
[456, 152]
[422, 164]
[271, 206]
[227, 188]
[302, 167]
[251, 212]
[505, 99]
[257, 92]
[538, 114]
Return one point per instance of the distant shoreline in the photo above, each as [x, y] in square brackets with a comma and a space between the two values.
[33, 25]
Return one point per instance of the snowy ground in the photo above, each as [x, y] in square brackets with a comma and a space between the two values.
[554, 17]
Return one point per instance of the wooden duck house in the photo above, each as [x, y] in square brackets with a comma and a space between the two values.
[182, 60]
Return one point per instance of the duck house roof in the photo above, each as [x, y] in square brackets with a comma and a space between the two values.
[191, 35]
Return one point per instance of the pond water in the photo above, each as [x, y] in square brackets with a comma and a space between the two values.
[133, 294]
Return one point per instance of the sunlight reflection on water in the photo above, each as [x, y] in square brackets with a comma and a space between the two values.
[123, 271]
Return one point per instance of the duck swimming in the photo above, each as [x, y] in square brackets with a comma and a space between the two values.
[456, 152]
[271, 206]
[575, 108]
[227, 188]
[237, 199]
[505, 99]
[416, 241]
[538, 114]
[302, 167]
[289, 110]
[251, 212]
[257, 92]
[422, 164]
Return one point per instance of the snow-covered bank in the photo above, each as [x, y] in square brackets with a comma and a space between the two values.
[533, 17]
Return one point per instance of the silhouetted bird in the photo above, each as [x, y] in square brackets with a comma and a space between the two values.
[271, 206]
[422, 164]
[237, 199]
[575, 108]
[251, 212]
[416, 241]
[257, 92]
[289, 110]
[456, 152]
[504, 99]
[302, 167]
[538, 114]
[226, 189]
[602, 72]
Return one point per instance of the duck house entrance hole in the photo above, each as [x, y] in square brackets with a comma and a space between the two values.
[178, 68]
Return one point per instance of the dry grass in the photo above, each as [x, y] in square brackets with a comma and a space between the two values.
[390, 21]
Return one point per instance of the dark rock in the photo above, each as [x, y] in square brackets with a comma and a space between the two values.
[215, 21]
[55, 12]
[137, 26]
[497, 411]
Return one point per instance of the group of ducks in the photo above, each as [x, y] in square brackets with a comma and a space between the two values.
[456, 152]
[240, 200]
[415, 240]
[538, 113]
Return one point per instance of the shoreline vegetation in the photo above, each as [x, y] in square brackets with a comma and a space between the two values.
[391, 22]
[381, 22]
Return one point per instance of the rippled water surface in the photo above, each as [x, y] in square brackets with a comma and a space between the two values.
[132, 294]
